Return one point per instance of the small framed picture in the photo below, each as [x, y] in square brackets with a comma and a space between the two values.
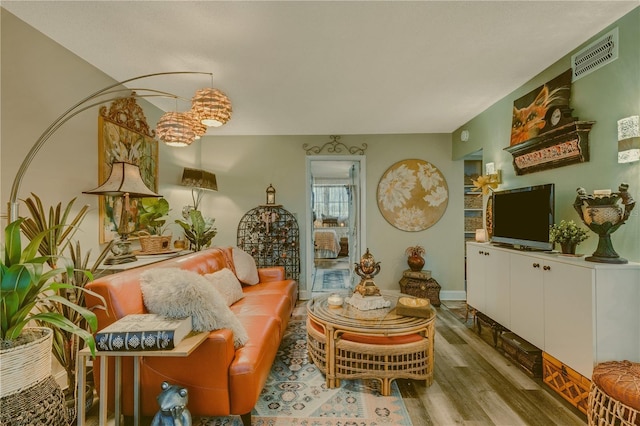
[490, 168]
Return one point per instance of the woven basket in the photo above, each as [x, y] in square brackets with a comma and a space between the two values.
[154, 243]
[29, 394]
[25, 365]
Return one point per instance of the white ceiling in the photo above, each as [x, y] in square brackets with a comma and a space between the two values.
[328, 67]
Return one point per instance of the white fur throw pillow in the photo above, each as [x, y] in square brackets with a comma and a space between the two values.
[245, 265]
[178, 293]
[227, 285]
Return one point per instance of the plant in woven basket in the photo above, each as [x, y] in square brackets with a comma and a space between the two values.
[198, 230]
[154, 215]
[26, 287]
[59, 227]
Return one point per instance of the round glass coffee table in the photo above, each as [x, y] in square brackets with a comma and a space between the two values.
[347, 343]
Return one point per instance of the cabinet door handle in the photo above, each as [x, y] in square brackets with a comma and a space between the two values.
[480, 252]
[486, 253]
[536, 265]
[546, 268]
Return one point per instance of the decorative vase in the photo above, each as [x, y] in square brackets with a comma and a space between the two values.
[604, 214]
[415, 262]
[29, 393]
[568, 247]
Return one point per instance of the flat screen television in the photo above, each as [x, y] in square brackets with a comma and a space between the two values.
[522, 217]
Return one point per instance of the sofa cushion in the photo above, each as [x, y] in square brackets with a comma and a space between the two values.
[227, 285]
[252, 363]
[179, 293]
[245, 265]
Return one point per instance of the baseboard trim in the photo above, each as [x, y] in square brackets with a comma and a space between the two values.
[453, 295]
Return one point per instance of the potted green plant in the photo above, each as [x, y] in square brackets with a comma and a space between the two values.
[59, 227]
[26, 286]
[154, 215]
[198, 230]
[154, 218]
[568, 235]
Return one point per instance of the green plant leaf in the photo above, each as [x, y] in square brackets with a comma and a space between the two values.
[13, 245]
[63, 323]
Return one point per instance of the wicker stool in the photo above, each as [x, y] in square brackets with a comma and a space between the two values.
[614, 398]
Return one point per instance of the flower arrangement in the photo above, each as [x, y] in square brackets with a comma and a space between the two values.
[485, 184]
[567, 232]
[415, 251]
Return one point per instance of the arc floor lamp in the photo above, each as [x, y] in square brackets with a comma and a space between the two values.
[216, 109]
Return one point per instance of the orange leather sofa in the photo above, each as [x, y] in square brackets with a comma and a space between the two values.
[221, 380]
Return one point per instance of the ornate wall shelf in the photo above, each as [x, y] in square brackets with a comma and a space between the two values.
[564, 145]
[270, 234]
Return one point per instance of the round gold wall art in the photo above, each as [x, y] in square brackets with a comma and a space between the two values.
[412, 195]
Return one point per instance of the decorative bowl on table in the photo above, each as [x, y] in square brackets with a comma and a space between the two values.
[413, 307]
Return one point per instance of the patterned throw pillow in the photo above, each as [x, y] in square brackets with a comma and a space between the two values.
[227, 284]
[178, 293]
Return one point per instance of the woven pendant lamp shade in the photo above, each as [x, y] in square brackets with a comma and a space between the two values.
[198, 127]
[212, 106]
[174, 129]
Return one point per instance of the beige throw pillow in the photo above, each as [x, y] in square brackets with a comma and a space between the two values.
[245, 265]
[179, 293]
[227, 284]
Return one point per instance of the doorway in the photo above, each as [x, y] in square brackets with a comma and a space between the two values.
[336, 220]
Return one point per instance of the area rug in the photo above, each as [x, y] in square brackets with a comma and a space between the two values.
[296, 394]
[331, 279]
[339, 263]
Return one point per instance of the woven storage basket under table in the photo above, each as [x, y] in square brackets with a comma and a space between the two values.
[384, 362]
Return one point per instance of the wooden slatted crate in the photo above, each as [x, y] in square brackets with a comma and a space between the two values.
[570, 384]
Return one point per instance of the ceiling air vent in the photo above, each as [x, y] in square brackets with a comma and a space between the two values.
[596, 55]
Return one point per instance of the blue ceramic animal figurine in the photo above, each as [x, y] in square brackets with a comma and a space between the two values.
[173, 407]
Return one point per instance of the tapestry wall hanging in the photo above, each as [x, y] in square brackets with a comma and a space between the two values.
[544, 134]
[123, 135]
[412, 195]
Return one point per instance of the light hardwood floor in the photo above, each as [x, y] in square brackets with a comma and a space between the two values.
[474, 384]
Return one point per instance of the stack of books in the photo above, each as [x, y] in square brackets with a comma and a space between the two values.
[143, 332]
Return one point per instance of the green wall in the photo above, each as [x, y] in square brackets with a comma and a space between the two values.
[604, 96]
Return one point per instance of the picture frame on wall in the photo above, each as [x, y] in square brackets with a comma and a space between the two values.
[412, 195]
[123, 135]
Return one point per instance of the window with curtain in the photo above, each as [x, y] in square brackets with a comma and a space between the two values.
[332, 201]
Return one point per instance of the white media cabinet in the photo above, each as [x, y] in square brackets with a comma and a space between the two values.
[579, 312]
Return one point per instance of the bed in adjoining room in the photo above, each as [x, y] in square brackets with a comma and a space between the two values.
[326, 243]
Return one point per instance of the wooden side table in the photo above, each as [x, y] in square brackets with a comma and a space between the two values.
[184, 348]
[420, 284]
